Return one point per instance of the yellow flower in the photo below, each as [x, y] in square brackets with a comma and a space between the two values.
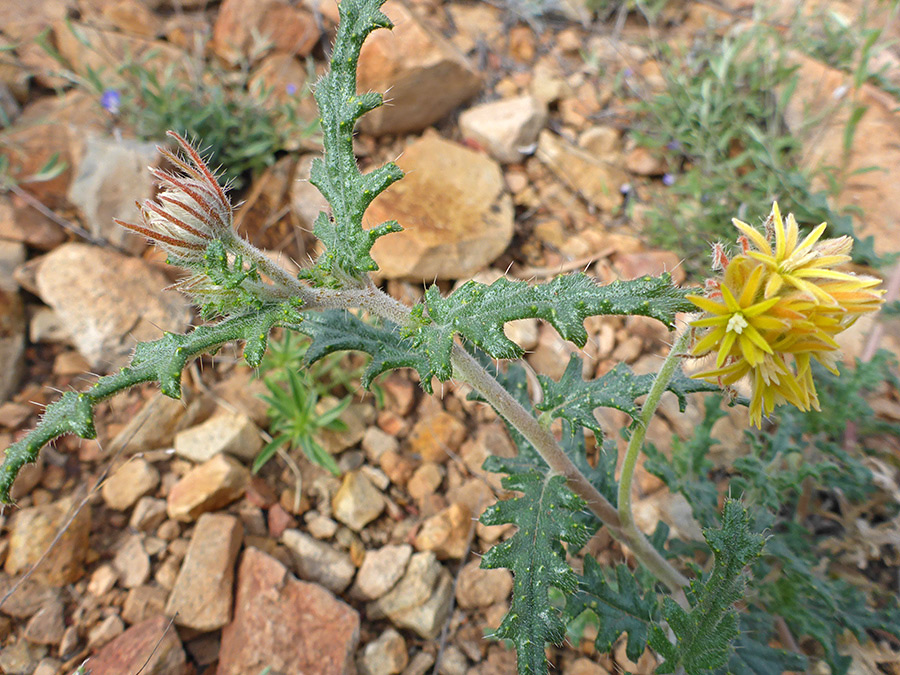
[778, 306]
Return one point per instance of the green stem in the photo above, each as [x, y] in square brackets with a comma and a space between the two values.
[675, 581]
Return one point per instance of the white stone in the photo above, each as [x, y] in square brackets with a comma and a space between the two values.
[235, 434]
[507, 129]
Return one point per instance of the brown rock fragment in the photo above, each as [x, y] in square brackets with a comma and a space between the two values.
[151, 647]
[207, 487]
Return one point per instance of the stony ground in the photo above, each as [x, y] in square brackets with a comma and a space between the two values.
[174, 558]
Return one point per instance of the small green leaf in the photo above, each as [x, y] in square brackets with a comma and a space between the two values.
[573, 399]
[705, 632]
[478, 311]
[545, 517]
[621, 607]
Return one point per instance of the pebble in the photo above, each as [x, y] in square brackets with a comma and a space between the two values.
[319, 526]
[427, 77]
[46, 627]
[319, 562]
[453, 661]
[207, 487]
[505, 128]
[202, 595]
[387, 655]
[644, 162]
[131, 481]
[48, 667]
[433, 436]
[102, 580]
[357, 502]
[375, 443]
[235, 434]
[380, 570]
[425, 480]
[144, 602]
[12, 342]
[284, 624]
[479, 587]
[447, 532]
[148, 514]
[34, 529]
[21, 657]
[104, 632]
[150, 647]
[454, 205]
[153, 426]
[132, 562]
[421, 599]
[584, 666]
[597, 181]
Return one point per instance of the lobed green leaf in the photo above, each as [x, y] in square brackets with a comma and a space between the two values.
[477, 312]
[545, 517]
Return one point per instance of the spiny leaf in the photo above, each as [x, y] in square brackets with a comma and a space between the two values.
[160, 361]
[621, 607]
[573, 399]
[337, 176]
[704, 634]
[753, 656]
[478, 312]
[544, 516]
[337, 330]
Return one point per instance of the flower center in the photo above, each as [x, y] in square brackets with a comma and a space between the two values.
[737, 323]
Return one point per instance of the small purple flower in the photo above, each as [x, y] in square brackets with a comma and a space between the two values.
[628, 72]
[668, 180]
[625, 188]
[291, 89]
[674, 146]
[110, 100]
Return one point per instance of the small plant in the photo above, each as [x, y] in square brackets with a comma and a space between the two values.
[772, 314]
[720, 124]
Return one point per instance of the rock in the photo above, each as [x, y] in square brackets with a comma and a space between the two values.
[306, 200]
[12, 254]
[357, 417]
[12, 342]
[357, 502]
[524, 332]
[319, 526]
[375, 443]
[132, 16]
[132, 562]
[505, 128]
[201, 598]
[111, 176]
[110, 628]
[425, 76]
[385, 656]
[131, 481]
[453, 662]
[228, 432]
[477, 587]
[148, 514]
[425, 480]
[144, 602]
[313, 633]
[447, 532]
[154, 425]
[28, 598]
[434, 436]
[108, 301]
[421, 600]
[102, 580]
[207, 487]
[21, 658]
[490, 439]
[644, 162]
[244, 390]
[601, 141]
[452, 204]
[319, 562]
[584, 666]
[34, 529]
[151, 647]
[380, 570]
[243, 27]
[48, 666]
[597, 181]
[47, 626]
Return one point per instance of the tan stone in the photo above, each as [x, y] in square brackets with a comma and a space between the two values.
[207, 487]
[128, 483]
[245, 30]
[227, 432]
[425, 76]
[33, 533]
[479, 587]
[446, 533]
[201, 598]
[597, 181]
[436, 436]
[505, 128]
[357, 502]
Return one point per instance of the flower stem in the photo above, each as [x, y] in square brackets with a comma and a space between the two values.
[675, 581]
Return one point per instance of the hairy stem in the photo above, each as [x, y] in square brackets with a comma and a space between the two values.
[672, 578]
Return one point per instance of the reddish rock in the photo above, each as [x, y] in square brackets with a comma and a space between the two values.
[241, 25]
[435, 436]
[286, 624]
[151, 647]
[426, 76]
[203, 590]
[207, 487]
